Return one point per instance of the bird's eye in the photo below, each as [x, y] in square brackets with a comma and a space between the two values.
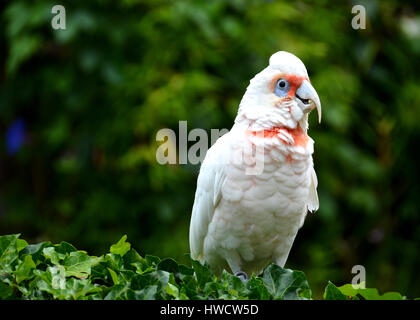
[282, 87]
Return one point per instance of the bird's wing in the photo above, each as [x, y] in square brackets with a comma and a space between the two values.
[208, 194]
[313, 202]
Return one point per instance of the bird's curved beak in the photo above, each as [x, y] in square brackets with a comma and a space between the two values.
[308, 98]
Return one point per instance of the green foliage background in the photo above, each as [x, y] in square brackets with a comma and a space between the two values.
[93, 97]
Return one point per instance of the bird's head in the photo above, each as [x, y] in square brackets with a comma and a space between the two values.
[280, 96]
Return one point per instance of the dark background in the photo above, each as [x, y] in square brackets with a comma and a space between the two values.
[80, 108]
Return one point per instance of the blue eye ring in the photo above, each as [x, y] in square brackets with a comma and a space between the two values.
[282, 87]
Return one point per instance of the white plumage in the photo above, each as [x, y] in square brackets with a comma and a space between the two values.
[243, 220]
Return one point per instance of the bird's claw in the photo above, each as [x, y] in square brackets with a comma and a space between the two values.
[242, 275]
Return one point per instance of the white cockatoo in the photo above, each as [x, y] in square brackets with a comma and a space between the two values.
[257, 182]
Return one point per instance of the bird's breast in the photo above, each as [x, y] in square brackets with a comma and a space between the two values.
[261, 213]
[269, 201]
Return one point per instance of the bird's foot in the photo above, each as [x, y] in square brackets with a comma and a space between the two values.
[242, 275]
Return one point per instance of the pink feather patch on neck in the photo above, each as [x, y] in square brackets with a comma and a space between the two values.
[300, 137]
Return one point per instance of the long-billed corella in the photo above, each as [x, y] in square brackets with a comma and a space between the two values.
[257, 182]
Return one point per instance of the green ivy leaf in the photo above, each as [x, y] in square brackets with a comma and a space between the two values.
[5, 291]
[114, 276]
[79, 264]
[202, 273]
[134, 261]
[169, 265]
[368, 293]
[24, 269]
[21, 244]
[8, 252]
[285, 283]
[121, 247]
[348, 290]
[333, 293]
[51, 254]
[36, 251]
[233, 286]
[152, 260]
[172, 290]
[117, 292]
[392, 295]
[65, 248]
[148, 293]
[257, 289]
[185, 270]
